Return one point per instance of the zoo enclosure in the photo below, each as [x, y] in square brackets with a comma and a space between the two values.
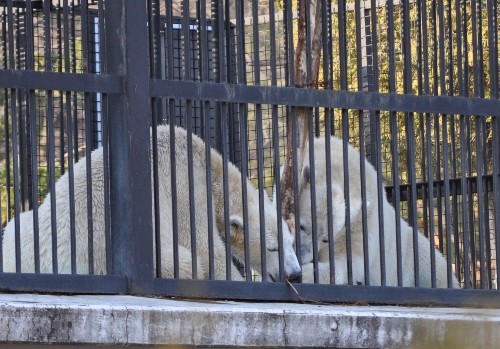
[414, 88]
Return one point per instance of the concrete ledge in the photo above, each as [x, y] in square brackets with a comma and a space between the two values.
[127, 320]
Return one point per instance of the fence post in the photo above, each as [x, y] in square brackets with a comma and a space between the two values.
[129, 133]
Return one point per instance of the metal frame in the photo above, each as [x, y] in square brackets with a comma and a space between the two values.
[130, 92]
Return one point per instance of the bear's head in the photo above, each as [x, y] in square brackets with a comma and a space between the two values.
[337, 220]
[291, 267]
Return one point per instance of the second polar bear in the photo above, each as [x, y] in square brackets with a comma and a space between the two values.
[356, 225]
[62, 224]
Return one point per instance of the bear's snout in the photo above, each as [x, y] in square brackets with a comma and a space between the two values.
[295, 277]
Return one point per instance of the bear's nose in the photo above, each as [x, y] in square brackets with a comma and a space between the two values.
[295, 277]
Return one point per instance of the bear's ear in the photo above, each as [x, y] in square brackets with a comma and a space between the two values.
[236, 222]
[305, 178]
[236, 231]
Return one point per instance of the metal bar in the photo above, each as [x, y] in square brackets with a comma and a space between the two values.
[260, 187]
[243, 114]
[50, 134]
[169, 72]
[465, 218]
[63, 283]
[131, 205]
[362, 155]
[225, 185]
[301, 97]
[378, 150]
[312, 183]
[45, 80]
[276, 137]
[328, 293]
[173, 183]
[191, 187]
[422, 187]
[480, 153]
[394, 139]
[243, 124]
[289, 43]
[188, 120]
[33, 131]
[410, 134]
[328, 76]
[69, 134]
[156, 108]
[15, 141]
[342, 16]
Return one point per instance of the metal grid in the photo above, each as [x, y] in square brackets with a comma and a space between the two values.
[210, 69]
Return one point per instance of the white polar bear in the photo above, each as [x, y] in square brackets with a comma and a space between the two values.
[372, 214]
[291, 266]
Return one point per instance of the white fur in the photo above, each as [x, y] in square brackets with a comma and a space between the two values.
[372, 214]
[165, 199]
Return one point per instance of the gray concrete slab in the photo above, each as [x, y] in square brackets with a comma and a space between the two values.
[128, 320]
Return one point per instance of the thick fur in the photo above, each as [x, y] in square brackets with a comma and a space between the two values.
[356, 223]
[292, 267]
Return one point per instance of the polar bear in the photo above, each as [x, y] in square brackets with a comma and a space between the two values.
[291, 267]
[339, 226]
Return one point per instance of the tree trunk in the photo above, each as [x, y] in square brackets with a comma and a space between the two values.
[304, 77]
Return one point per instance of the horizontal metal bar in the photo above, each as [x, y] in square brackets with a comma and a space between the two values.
[304, 97]
[35, 80]
[35, 4]
[309, 293]
[422, 187]
[63, 283]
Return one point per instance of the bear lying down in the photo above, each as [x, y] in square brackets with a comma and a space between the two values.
[291, 271]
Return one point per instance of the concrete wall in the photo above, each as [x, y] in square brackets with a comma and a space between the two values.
[125, 320]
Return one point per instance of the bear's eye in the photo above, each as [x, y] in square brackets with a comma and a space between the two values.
[272, 248]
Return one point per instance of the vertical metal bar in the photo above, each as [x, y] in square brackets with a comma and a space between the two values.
[465, 218]
[312, 183]
[345, 132]
[15, 139]
[127, 48]
[394, 139]
[366, 264]
[493, 53]
[276, 136]
[85, 30]
[205, 116]
[492, 6]
[480, 197]
[33, 135]
[69, 133]
[453, 150]
[244, 192]
[188, 119]
[171, 110]
[289, 37]
[260, 167]
[155, 64]
[243, 117]
[447, 215]
[173, 182]
[378, 147]
[50, 134]
[410, 134]
[225, 160]
[328, 74]
[496, 190]
[430, 179]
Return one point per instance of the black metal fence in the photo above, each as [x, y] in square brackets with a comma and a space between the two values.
[88, 86]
